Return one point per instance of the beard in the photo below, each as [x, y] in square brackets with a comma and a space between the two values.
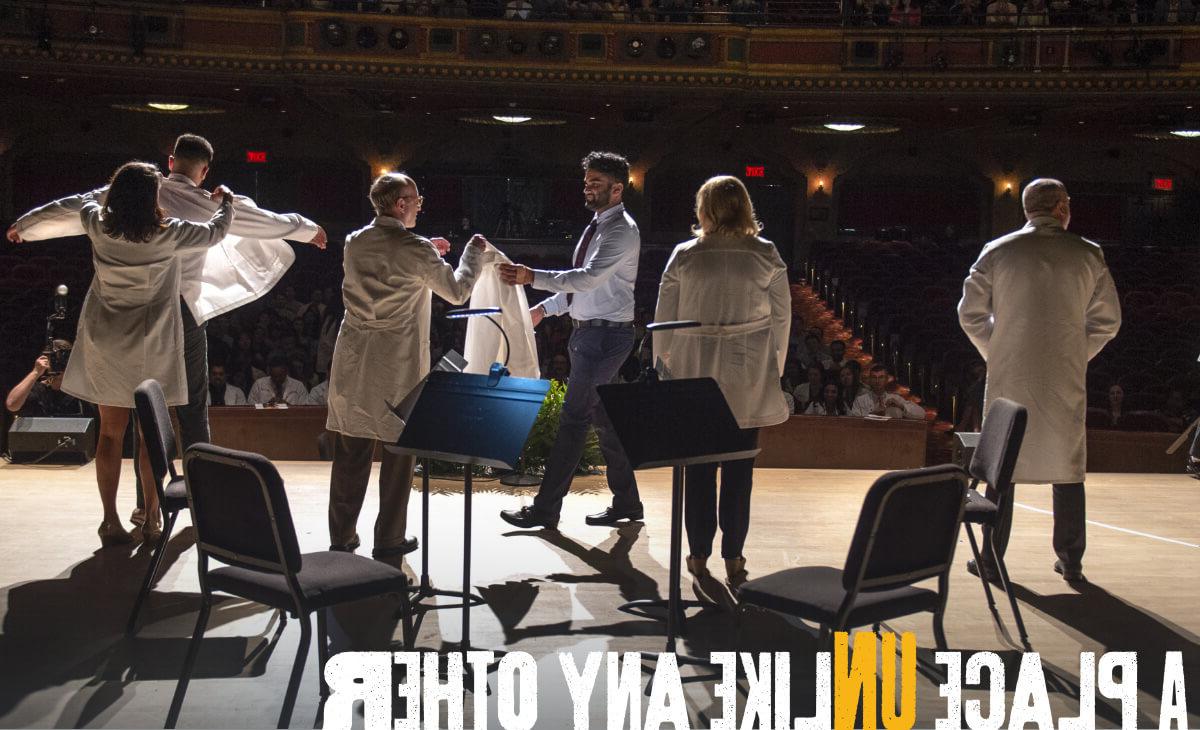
[599, 200]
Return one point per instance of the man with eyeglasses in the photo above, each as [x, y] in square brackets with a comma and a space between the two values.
[597, 293]
[1043, 295]
[381, 353]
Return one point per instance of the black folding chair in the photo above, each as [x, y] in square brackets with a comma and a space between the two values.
[993, 463]
[154, 423]
[906, 533]
[242, 519]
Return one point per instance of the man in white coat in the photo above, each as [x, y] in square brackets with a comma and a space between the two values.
[1043, 295]
[243, 267]
[382, 352]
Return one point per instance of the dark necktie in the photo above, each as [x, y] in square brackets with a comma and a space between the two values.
[581, 254]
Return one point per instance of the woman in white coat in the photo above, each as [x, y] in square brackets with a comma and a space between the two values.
[735, 284]
[131, 327]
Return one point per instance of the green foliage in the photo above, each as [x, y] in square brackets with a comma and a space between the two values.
[541, 438]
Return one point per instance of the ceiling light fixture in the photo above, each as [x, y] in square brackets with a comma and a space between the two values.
[511, 119]
[1186, 133]
[163, 106]
[844, 126]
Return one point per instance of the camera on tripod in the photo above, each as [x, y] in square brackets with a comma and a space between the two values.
[57, 351]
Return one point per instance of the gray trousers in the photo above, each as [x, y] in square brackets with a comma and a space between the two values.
[1070, 525]
[596, 353]
[348, 487]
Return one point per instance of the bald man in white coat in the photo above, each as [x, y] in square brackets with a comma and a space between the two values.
[1039, 303]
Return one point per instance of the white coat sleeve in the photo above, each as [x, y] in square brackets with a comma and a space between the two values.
[555, 305]
[56, 219]
[975, 314]
[862, 406]
[250, 221]
[453, 285]
[781, 313]
[912, 410]
[667, 308]
[1103, 314]
[188, 234]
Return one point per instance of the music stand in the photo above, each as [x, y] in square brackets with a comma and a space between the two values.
[673, 423]
[471, 420]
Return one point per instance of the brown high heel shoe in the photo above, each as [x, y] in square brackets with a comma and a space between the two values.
[152, 528]
[111, 533]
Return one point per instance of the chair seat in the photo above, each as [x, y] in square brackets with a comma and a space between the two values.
[325, 579]
[175, 495]
[979, 510]
[816, 593]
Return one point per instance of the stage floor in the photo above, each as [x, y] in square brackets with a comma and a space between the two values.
[64, 661]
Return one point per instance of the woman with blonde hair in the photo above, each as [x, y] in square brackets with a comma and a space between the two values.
[131, 326]
[735, 284]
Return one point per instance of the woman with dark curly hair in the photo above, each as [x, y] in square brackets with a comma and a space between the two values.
[131, 327]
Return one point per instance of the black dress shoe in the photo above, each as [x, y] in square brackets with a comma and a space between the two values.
[527, 517]
[612, 516]
[403, 548]
[990, 572]
[1070, 575]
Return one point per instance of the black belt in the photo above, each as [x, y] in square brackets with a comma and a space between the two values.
[580, 323]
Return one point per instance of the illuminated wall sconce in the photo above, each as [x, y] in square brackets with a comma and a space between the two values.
[820, 184]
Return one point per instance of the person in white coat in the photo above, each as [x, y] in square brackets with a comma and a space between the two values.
[381, 353]
[131, 326]
[213, 281]
[877, 401]
[735, 284]
[220, 391]
[1044, 295]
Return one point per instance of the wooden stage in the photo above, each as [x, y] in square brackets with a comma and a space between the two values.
[802, 442]
[64, 602]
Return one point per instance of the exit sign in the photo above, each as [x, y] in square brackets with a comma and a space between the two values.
[1163, 184]
[756, 171]
[256, 156]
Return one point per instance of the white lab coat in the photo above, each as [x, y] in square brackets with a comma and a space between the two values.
[737, 288]
[131, 326]
[247, 263]
[483, 344]
[294, 392]
[1038, 304]
[233, 396]
[382, 349]
[895, 406]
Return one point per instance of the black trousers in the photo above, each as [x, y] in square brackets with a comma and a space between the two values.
[193, 416]
[701, 511]
[1070, 525]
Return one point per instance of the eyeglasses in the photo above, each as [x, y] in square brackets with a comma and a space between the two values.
[419, 198]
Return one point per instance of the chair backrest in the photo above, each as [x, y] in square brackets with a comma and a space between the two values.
[240, 509]
[1000, 440]
[154, 420]
[907, 528]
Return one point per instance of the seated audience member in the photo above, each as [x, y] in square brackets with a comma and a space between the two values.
[1176, 412]
[1115, 405]
[518, 9]
[792, 374]
[36, 395]
[837, 355]
[1002, 12]
[278, 387]
[812, 354]
[830, 403]
[806, 393]
[879, 402]
[966, 12]
[221, 392]
[881, 11]
[850, 378]
[319, 395]
[560, 368]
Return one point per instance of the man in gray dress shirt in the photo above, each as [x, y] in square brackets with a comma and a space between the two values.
[597, 293]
